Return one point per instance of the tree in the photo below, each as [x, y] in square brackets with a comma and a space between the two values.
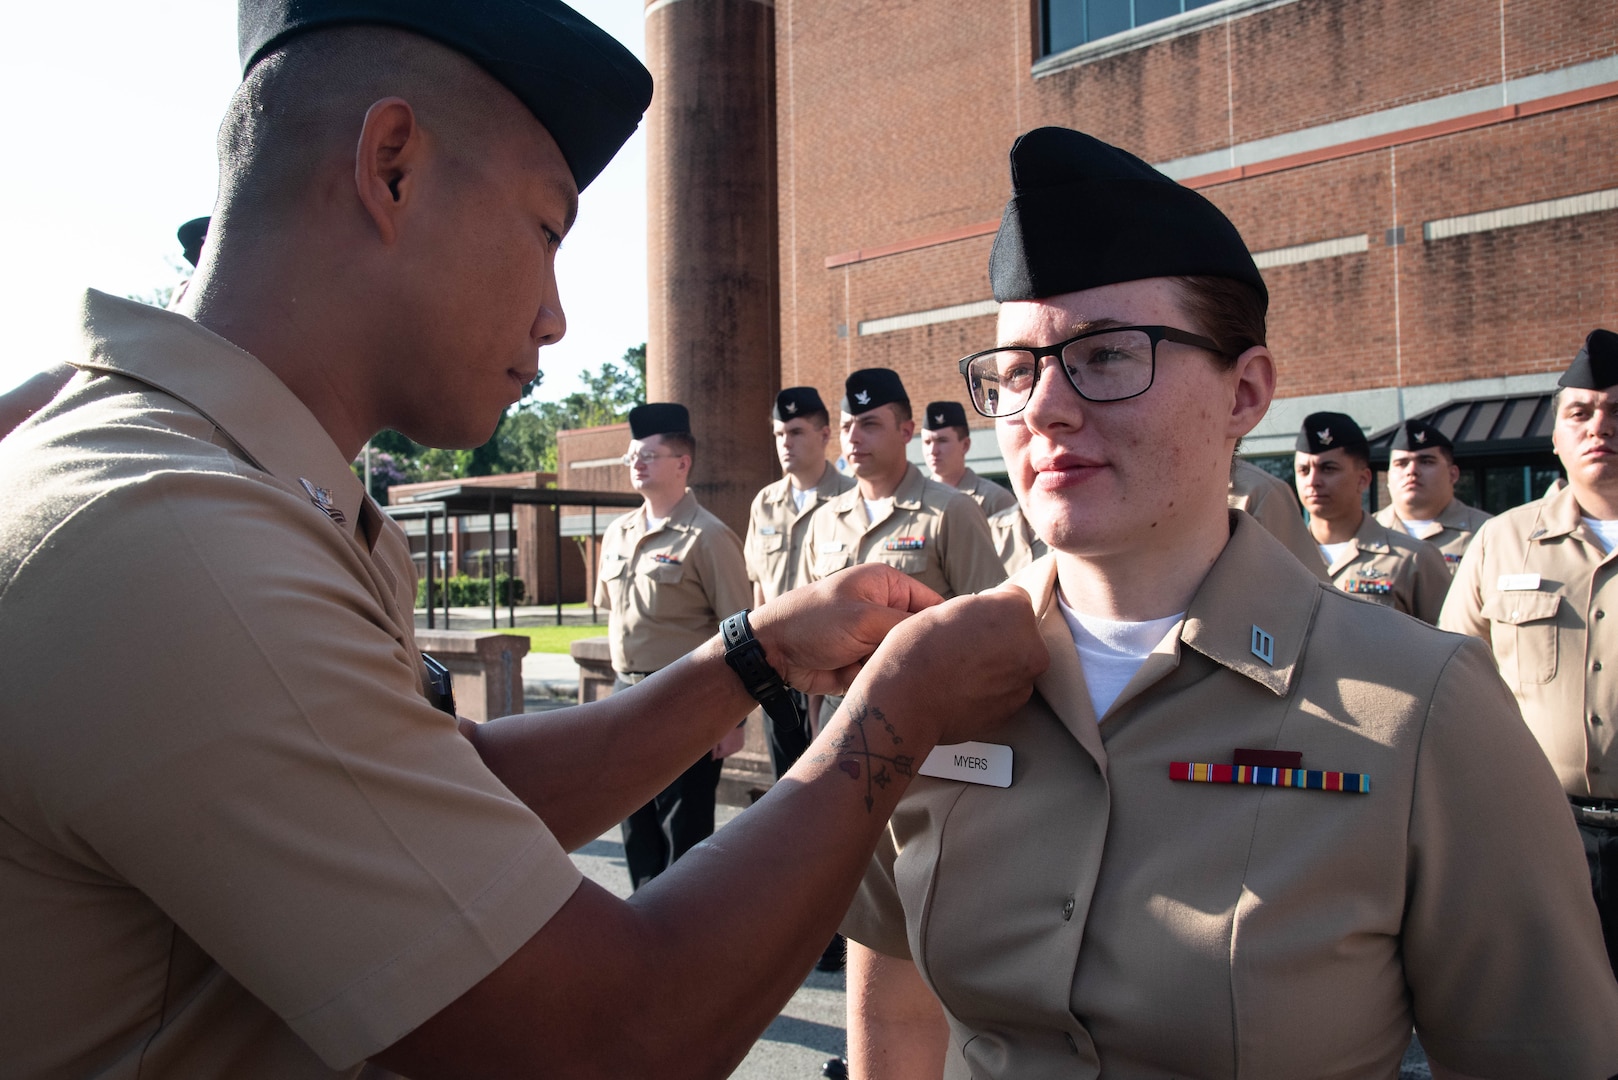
[525, 438]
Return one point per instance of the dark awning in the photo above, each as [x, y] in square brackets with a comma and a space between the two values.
[1485, 427]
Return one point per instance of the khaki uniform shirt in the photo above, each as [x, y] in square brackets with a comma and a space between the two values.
[990, 496]
[776, 528]
[1394, 570]
[666, 590]
[932, 532]
[1097, 918]
[1537, 587]
[1450, 532]
[1271, 502]
[1014, 539]
[235, 838]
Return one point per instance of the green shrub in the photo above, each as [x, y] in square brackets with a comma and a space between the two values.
[465, 591]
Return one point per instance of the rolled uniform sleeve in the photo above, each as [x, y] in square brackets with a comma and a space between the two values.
[1488, 820]
[971, 563]
[250, 753]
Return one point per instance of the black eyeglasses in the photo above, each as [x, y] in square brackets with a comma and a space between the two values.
[1101, 365]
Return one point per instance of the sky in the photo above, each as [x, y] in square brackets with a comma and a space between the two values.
[108, 112]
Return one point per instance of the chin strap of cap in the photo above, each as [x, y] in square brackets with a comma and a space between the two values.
[746, 657]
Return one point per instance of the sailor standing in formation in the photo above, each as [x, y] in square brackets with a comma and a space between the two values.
[1333, 466]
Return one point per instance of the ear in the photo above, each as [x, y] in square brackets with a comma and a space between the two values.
[907, 430]
[1254, 386]
[1365, 479]
[386, 161]
[966, 443]
[1454, 475]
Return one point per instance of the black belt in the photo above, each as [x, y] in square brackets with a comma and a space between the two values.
[1597, 813]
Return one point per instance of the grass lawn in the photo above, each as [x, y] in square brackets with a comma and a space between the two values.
[555, 639]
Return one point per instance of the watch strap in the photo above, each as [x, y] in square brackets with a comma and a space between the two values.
[746, 657]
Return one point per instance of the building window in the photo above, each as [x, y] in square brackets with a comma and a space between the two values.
[1070, 23]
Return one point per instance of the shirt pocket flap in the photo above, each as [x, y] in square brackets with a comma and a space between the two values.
[613, 566]
[829, 562]
[1520, 608]
[772, 544]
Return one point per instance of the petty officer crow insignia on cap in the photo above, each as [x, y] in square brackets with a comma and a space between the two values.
[943, 414]
[1413, 435]
[797, 401]
[871, 388]
[1323, 431]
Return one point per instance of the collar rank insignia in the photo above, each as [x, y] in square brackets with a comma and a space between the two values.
[1270, 768]
[1263, 645]
[669, 560]
[1324, 435]
[863, 397]
[905, 543]
[322, 499]
[792, 407]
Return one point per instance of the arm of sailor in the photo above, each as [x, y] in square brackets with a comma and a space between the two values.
[896, 1027]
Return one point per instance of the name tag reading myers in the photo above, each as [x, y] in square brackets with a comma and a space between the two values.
[972, 762]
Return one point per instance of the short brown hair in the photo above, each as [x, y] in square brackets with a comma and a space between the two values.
[681, 442]
[1230, 312]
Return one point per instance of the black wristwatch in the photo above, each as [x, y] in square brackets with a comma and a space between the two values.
[746, 657]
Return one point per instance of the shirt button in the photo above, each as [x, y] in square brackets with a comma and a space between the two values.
[1594, 719]
[1601, 614]
[1596, 666]
[1067, 909]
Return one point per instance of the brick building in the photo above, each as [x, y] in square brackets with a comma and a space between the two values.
[1430, 186]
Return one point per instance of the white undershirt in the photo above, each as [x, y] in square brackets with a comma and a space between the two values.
[1333, 552]
[1606, 530]
[801, 496]
[1415, 528]
[874, 508]
[1110, 652]
[653, 524]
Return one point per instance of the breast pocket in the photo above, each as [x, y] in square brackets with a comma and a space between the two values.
[906, 562]
[1525, 622]
[828, 563]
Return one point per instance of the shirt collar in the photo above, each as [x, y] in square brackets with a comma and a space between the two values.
[236, 393]
[1371, 536]
[1558, 516]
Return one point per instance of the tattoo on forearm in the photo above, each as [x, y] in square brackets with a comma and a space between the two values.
[855, 756]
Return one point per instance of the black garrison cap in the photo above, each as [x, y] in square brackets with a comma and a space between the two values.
[659, 418]
[1413, 435]
[586, 88]
[796, 401]
[1323, 431]
[191, 236]
[1596, 366]
[868, 388]
[1084, 214]
[943, 414]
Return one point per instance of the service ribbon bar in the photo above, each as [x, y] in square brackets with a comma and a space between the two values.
[1309, 779]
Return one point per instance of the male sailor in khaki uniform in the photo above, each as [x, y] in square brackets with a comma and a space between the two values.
[1227, 837]
[669, 572]
[778, 521]
[1421, 486]
[894, 514]
[1540, 585]
[945, 439]
[1014, 539]
[1363, 557]
[1272, 504]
